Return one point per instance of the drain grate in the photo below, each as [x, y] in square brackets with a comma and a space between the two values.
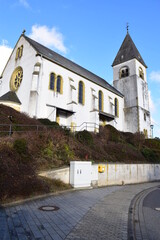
[48, 208]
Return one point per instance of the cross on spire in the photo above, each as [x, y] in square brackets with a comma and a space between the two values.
[127, 27]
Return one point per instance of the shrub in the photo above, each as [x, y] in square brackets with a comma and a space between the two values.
[65, 153]
[9, 115]
[150, 155]
[128, 137]
[111, 134]
[16, 177]
[46, 121]
[153, 143]
[138, 140]
[20, 145]
[55, 184]
[66, 131]
[48, 150]
[85, 137]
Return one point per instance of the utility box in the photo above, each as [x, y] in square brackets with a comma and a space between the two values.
[80, 174]
[101, 168]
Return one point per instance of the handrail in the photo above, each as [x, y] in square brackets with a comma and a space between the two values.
[84, 126]
[10, 128]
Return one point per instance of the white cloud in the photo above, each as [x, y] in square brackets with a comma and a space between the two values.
[5, 52]
[155, 76]
[49, 37]
[24, 3]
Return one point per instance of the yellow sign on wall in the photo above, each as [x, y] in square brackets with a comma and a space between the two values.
[101, 168]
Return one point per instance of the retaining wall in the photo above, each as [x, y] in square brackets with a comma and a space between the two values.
[61, 174]
[114, 174]
[118, 174]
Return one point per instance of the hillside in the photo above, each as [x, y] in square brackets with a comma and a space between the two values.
[28, 150]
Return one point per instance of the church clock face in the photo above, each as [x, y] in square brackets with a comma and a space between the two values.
[16, 79]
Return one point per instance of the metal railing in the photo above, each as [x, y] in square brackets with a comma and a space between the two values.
[9, 129]
[88, 126]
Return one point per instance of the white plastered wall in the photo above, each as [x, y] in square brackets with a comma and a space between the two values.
[135, 91]
[39, 101]
[27, 62]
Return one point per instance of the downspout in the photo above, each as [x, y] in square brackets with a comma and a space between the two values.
[38, 84]
[138, 122]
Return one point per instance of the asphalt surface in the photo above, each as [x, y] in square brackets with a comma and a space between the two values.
[151, 212]
[100, 213]
[144, 217]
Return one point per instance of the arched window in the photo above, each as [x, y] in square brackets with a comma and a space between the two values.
[116, 106]
[141, 73]
[19, 52]
[100, 102]
[59, 86]
[81, 93]
[124, 72]
[52, 81]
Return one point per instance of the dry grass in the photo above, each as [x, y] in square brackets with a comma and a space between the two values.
[23, 154]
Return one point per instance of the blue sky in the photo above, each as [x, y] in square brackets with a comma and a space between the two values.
[88, 32]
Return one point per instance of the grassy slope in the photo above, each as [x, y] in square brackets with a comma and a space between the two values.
[23, 154]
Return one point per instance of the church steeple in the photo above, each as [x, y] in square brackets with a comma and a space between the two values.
[129, 77]
[128, 51]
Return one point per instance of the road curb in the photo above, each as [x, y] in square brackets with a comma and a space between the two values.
[21, 201]
[136, 227]
[10, 204]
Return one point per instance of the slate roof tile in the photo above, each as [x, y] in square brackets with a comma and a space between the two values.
[68, 64]
[128, 51]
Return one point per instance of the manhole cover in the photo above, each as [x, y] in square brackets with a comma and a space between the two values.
[157, 209]
[49, 208]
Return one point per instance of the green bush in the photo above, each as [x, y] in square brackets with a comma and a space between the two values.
[48, 150]
[153, 143]
[68, 152]
[20, 145]
[47, 122]
[111, 134]
[66, 131]
[85, 137]
[65, 153]
[150, 155]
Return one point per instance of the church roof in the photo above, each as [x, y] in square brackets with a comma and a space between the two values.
[127, 52]
[10, 97]
[68, 64]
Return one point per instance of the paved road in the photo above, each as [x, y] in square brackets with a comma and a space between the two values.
[85, 214]
[145, 215]
[151, 205]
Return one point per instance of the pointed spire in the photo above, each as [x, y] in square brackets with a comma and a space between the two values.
[128, 51]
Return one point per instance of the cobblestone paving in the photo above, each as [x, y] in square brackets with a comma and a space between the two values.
[108, 219]
[87, 214]
[26, 221]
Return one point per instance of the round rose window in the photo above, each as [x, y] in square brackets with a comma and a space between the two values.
[16, 79]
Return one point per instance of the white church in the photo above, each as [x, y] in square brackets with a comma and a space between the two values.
[44, 84]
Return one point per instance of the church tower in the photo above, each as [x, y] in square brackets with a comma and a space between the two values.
[129, 77]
